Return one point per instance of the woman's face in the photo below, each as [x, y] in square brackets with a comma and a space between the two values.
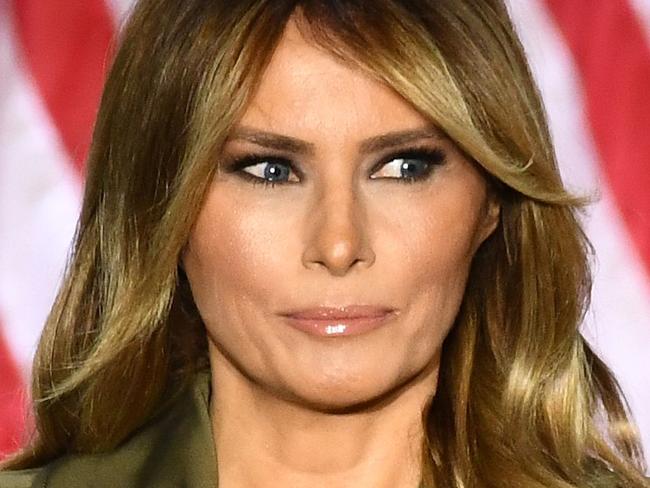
[342, 225]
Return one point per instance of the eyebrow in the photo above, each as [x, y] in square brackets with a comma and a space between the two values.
[378, 143]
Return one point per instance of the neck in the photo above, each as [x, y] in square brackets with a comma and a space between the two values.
[263, 440]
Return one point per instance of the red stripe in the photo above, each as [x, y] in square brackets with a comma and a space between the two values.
[613, 59]
[12, 406]
[65, 43]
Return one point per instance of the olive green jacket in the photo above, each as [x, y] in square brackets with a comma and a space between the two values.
[175, 451]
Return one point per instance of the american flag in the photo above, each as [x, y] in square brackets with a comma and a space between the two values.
[591, 59]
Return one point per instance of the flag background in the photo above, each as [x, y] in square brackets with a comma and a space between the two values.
[592, 62]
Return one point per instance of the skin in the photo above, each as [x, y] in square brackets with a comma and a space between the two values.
[289, 408]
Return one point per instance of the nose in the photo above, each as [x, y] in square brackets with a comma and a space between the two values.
[338, 238]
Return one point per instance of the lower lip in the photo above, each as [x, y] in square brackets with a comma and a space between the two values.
[340, 327]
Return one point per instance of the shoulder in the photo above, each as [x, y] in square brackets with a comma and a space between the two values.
[26, 478]
[603, 476]
[122, 466]
[172, 450]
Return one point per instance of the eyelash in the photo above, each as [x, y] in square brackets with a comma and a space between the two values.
[432, 157]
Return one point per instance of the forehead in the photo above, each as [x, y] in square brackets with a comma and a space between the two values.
[305, 90]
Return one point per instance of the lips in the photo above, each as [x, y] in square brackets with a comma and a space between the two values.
[349, 320]
[340, 313]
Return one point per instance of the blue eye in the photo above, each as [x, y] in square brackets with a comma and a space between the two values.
[407, 167]
[268, 171]
[412, 166]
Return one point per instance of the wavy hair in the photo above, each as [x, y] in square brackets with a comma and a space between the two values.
[522, 399]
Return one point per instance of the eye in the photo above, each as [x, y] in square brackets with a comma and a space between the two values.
[410, 166]
[265, 170]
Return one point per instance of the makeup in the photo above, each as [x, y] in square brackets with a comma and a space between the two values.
[415, 164]
[339, 321]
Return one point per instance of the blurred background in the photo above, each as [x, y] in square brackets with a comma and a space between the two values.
[592, 62]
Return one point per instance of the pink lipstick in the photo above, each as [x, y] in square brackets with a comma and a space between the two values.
[339, 321]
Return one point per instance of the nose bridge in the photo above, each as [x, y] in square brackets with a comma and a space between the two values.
[338, 229]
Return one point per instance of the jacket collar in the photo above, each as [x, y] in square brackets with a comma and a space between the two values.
[185, 450]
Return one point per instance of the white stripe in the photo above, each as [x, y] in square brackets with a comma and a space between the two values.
[120, 10]
[618, 324]
[39, 203]
[642, 9]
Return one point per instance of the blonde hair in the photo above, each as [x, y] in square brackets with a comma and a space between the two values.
[522, 399]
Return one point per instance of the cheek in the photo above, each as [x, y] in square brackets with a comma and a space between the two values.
[433, 237]
[237, 254]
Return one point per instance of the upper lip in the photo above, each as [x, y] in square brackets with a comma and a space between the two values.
[338, 313]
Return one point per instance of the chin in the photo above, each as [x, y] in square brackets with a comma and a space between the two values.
[341, 396]
[336, 401]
